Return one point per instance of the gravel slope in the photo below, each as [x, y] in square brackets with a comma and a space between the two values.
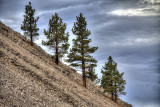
[30, 78]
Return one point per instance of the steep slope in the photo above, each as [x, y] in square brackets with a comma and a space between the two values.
[29, 77]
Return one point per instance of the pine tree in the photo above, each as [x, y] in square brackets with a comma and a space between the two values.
[107, 77]
[57, 38]
[30, 23]
[91, 74]
[112, 81]
[79, 55]
[119, 84]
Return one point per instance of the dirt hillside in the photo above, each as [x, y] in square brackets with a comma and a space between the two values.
[30, 78]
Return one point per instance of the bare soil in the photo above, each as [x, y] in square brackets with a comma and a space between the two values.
[30, 78]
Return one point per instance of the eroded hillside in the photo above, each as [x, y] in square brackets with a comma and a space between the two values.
[29, 77]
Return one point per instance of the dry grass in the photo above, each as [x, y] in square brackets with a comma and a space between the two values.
[29, 78]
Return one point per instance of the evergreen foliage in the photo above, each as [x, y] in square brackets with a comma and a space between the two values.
[29, 25]
[79, 55]
[112, 81]
[57, 38]
[91, 74]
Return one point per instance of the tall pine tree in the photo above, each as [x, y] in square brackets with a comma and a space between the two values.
[29, 25]
[112, 81]
[79, 55]
[57, 38]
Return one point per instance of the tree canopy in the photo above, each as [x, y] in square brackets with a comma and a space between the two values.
[29, 25]
[79, 55]
[90, 73]
[112, 80]
[57, 37]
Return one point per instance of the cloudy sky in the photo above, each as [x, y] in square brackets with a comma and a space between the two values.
[127, 30]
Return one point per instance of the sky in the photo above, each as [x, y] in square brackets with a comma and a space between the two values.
[127, 30]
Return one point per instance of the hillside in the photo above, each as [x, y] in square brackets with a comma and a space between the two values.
[29, 77]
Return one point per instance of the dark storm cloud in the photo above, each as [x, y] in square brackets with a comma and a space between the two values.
[122, 23]
[54, 4]
[130, 35]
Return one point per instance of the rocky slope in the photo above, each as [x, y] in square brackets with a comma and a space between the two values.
[30, 78]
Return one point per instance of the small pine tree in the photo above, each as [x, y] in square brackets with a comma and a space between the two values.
[112, 81]
[79, 55]
[57, 38]
[107, 77]
[29, 25]
[91, 74]
[119, 84]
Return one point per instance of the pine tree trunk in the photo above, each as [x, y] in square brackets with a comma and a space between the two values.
[57, 61]
[112, 91]
[31, 39]
[84, 75]
[31, 33]
[112, 96]
[83, 67]
[115, 96]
